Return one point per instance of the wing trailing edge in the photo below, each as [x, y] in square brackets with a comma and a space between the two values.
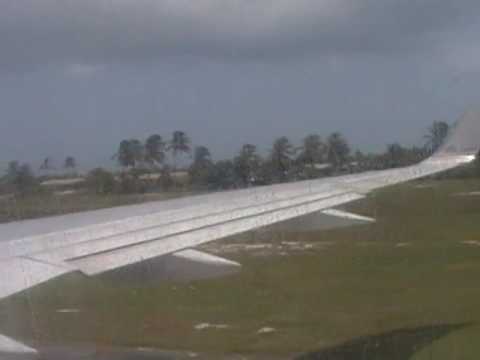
[22, 273]
[322, 220]
[185, 265]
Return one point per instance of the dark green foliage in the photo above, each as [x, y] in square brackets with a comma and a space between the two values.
[312, 151]
[315, 159]
[12, 170]
[246, 164]
[222, 175]
[130, 153]
[202, 155]
[165, 181]
[179, 144]
[20, 177]
[201, 167]
[101, 181]
[338, 150]
[128, 183]
[70, 163]
[281, 158]
[25, 180]
[154, 150]
[395, 155]
[47, 164]
[436, 135]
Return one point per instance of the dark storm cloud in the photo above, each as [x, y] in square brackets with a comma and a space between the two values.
[38, 32]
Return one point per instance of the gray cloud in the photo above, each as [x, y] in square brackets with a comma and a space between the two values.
[39, 32]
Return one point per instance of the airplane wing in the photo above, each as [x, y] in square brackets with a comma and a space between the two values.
[95, 242]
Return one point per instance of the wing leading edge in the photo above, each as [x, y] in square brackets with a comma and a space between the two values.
[33, 252]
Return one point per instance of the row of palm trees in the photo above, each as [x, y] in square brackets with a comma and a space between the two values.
[133, 153]
[70, 163]
[248, 164]
[313, 158]
[284, 162]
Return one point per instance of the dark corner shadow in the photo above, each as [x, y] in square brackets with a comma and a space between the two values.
[393, 345]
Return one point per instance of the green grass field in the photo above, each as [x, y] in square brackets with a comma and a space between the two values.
[44, 204]
[405, 287]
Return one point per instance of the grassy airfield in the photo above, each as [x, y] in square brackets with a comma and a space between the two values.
[405, 287]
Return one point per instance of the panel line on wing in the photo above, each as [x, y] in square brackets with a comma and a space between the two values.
[152, 237]
[37, 243]
[119, 257]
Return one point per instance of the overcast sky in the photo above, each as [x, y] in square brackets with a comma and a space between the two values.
[79, 76]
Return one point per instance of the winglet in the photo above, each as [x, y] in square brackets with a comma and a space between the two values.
[464, 139]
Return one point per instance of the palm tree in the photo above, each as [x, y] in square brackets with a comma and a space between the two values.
[180, 143]
[123, 154]
[130, 153]
[222, 175]
[312, 151]
[101, 181]
[281, 157]
[46, 164]
[338, 150]
[70, 163]
[202, 155]
[201, 166]
[417, 154]
[137, 150]
[436, 135]
[246, 164]
[12, 170]
[20, 176]
[154, 150]
[395, 155]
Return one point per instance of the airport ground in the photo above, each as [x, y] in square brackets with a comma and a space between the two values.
[51, 203]
[406, 287]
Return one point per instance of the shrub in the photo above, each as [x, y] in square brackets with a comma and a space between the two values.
[101, 181]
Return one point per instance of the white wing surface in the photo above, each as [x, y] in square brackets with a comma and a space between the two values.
[94, 242]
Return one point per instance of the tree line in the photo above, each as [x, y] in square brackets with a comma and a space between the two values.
[315, 157]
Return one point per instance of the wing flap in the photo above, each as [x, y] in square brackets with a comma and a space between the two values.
[115, 258]
[191, 264]
[10, 346]
[185, 265]
[322, 220]
[172, 214]
[208, 221]
[18, 274]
